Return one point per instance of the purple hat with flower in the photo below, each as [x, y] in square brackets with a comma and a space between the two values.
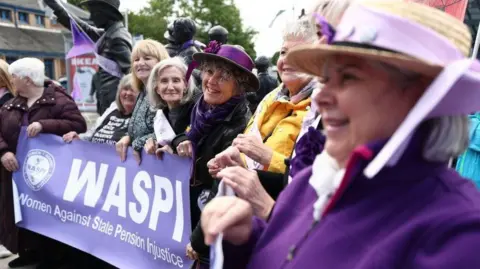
[232, 55]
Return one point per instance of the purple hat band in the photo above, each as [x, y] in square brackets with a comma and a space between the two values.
[236, 55]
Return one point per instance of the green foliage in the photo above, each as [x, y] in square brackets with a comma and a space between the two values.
[208, 13]
[274, 59]
[152, 21]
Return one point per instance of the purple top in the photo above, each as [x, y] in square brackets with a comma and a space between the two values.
[417, 214]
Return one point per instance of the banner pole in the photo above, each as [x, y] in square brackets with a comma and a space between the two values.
[477, 43]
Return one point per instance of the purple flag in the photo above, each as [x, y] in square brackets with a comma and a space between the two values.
[81, 194]
[82, 44]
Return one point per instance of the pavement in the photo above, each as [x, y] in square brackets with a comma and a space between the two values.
[90, 118]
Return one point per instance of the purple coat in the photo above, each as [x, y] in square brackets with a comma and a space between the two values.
[417, 214]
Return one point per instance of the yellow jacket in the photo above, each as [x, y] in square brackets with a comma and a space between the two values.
[279, 121]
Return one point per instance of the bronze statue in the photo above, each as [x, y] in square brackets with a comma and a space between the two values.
[114, 44]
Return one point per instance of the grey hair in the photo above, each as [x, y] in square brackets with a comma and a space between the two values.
[448, 136]
[125, 82]
[232, 72]
[155, 100]
[302, 29]
[31, 68]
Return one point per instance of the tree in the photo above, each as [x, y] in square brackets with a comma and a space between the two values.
[151, 21]
[208, 13]
[275, 57]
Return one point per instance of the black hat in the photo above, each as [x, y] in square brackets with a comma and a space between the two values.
[218, 33]
[169, 33]
[114, 4]
[181, 30]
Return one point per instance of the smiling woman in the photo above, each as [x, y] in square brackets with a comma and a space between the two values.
[146, 54]
[174, 97]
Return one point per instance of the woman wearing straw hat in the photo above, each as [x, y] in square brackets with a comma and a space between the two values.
[381, 194]
[217, 118]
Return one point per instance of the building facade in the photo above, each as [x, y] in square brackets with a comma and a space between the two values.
[27, 31]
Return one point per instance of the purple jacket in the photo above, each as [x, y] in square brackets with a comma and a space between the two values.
[417, 214]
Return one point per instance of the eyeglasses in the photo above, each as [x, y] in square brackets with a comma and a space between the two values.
[222, 74]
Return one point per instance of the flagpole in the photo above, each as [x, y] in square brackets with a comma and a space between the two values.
[477, 44]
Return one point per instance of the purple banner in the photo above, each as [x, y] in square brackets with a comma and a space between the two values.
[81, 194]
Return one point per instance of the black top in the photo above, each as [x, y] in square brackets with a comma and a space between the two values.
[7, 96]
[112, 129]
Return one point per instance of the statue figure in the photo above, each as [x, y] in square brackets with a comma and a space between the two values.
[113, 44]
[218, 33]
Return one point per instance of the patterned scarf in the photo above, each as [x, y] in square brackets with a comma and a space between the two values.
[204, 118]
[307, 148]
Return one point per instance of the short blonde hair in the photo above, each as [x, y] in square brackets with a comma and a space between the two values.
[147, 47]
[5, 77]
[125, 82]
[155, 100]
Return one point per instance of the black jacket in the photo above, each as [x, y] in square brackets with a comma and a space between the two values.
[116, 46]
[7, 96]
[267, 84]
[183, 120]
[217, 141]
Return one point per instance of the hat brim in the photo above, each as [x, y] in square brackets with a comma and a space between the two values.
[200, 57]
[310, 59]
[101, 2]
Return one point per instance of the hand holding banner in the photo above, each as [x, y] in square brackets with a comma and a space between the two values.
[81, 194]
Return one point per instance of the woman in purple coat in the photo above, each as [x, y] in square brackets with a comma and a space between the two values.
[381, 194]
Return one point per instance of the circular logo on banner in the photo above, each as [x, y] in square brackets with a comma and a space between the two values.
[38, 168]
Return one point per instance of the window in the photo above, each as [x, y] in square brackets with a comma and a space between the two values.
[54, 20]
[40, 20]
[23, 17]
[5, 15]
[10, 60]
[49, 68]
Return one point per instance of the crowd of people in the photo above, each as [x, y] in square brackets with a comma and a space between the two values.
[344, 164]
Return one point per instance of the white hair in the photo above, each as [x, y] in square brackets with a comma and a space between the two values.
[31, 68]
[331, 10]
[300, 30]
[448, 136]
[155, 100]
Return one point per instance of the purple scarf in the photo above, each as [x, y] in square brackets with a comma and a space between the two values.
[204, 118]
[307, 148]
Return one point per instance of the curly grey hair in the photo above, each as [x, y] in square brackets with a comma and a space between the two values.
[155, 100]
[229, 72]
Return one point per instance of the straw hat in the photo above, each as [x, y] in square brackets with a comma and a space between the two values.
[392, 32]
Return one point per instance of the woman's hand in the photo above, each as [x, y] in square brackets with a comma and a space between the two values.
[185, 149]
[150, 146]
[9, 161]
[121, 147]
[69, 137]
[247, 186]
[34, 129]
[229, 157]
[230, 215]
[191, 254]
[253, 147]
[213, 167]
[165, 149]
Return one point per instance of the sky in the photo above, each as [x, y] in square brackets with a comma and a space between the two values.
[257, 14]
